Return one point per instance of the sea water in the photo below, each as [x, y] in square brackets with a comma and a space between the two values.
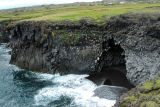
[21, 88]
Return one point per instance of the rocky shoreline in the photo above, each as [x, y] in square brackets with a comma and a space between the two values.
[144, 95]
[128, 43]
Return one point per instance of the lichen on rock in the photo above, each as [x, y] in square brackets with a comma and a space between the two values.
[144, 95]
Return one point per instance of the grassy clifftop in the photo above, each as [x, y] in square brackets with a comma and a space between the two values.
[145, 95]
[98, 12]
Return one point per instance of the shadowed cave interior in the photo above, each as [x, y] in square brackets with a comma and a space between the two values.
[112, 67]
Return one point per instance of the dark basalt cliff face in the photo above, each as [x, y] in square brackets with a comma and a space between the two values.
[129, 44]
[54, 49]
[3, 37]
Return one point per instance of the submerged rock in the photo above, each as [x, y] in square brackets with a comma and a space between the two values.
[109, 92]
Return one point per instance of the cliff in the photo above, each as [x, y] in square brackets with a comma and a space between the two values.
[129, 44]
[53, 48]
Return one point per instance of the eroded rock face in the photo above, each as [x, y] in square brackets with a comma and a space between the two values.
[41, 47]
[142, 56]
[81, 48]
[111, 76]
[3, 37]
[142, 48]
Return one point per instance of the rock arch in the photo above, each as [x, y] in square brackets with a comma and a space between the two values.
[111, 66]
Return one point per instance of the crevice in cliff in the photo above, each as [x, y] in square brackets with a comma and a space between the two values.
[107, 82]
[111, 67]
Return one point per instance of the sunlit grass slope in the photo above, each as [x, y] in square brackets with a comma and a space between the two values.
[77, 12]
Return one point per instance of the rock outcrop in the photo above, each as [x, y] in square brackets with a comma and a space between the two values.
[109, 92]
[3, 36]
[131, 41]
[144, 95]
[128, 44]
[54, 49]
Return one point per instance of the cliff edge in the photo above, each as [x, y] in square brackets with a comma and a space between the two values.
[129, 44]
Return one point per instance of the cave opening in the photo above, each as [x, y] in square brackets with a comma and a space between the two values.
[107, 82]
[111, 68]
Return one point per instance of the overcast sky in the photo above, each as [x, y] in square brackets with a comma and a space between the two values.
[5, 4]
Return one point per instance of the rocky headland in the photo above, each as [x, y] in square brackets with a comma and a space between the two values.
[123, 51]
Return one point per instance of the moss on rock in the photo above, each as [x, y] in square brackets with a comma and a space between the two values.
[149, 104]
[147, 86]
[130, 99]
[144, 95]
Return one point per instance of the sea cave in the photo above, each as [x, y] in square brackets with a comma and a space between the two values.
[111, 66]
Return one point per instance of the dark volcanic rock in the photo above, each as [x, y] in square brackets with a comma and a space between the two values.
[48, 48]
[109, 92]
[111, 76]
[3, 36]
[128, 40]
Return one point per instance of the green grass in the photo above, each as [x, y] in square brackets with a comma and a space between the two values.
[77, 12]
[144, 95]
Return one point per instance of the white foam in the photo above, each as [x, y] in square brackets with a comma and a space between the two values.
[4, 56]
[75, 87]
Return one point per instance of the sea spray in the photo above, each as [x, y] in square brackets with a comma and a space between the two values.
[22, 88]
[76, 88]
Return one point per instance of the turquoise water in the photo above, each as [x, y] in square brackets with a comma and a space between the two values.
[20, 88]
